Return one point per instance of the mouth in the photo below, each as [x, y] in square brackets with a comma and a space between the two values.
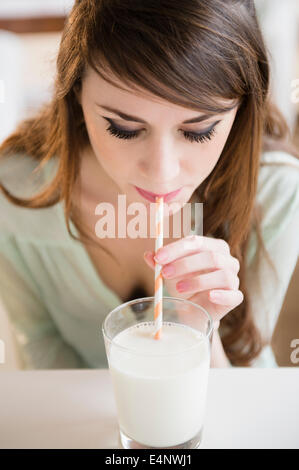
[152, 196]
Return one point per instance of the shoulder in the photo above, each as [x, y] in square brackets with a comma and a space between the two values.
[16, 172]
[19, 174]
[278, 190]
[268, 276]
[277, 199]
[278, 166]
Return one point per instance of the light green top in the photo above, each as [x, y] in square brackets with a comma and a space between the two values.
[54, 297]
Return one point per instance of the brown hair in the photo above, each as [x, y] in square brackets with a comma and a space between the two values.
[217, 45]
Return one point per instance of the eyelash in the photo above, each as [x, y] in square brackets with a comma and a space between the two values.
[192, 136]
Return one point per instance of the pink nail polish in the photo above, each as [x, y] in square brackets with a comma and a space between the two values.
[182, 286]
[168, 271]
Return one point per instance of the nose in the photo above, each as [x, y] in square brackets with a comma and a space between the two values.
[160, 163]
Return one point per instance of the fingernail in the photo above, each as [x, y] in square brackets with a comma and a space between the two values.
[183, 286]
[147, 256]
[168, 271]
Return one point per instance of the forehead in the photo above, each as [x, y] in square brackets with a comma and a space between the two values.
[118, 89]
[121, 93]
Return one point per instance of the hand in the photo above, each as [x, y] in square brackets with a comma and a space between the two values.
[197, 268]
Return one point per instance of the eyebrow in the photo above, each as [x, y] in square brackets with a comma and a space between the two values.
[128, 117]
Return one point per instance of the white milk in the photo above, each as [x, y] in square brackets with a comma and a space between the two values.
[160, 399]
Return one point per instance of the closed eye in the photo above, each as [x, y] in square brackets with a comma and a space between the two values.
[191, 136]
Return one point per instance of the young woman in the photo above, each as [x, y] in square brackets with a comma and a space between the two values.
[153, 96]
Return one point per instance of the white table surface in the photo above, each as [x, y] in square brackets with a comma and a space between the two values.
[246, 408]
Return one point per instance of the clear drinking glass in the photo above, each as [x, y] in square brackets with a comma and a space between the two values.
[159, 385]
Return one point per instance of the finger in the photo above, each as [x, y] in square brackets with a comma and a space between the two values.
[227, 298]
[207, 260]
[220, 279]
[190, 245]
[149, 259]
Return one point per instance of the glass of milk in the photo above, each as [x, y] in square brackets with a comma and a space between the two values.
[159, 385]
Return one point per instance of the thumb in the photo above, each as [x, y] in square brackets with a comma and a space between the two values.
[148, 257]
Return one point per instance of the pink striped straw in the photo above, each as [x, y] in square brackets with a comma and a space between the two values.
[158, 317]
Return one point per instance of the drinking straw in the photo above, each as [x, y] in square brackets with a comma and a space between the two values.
[158, 276]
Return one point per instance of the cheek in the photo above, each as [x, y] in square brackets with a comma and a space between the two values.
[205, 156]
[107, 150]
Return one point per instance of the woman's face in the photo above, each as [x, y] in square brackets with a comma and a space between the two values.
[164, 153]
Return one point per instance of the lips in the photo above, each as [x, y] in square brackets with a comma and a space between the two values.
[152, 196]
